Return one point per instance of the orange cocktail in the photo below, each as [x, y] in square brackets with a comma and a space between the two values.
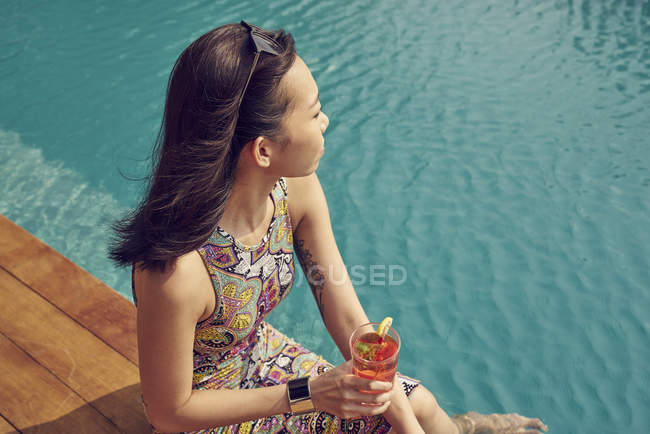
[374, 356]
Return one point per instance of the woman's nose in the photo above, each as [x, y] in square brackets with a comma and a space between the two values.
[325, 124]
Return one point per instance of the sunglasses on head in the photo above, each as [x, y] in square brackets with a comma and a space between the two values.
[262, 43]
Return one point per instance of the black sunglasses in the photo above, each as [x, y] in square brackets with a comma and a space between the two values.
[262, 43]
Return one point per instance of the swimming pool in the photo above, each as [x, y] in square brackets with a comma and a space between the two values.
[496, 152]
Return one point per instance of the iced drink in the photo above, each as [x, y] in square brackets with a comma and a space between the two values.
[374, 356]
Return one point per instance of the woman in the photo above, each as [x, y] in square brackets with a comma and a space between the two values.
[233, 193]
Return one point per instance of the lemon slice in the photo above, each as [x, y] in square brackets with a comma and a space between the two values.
[384, 326]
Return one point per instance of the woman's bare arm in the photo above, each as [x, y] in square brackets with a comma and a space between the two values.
[321, 261]
[169, 306]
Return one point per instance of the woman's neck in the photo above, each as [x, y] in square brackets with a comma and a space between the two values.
[249, 209]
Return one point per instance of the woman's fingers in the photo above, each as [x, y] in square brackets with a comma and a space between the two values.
[339, 392]
[369, 391]
[366, 384]
[379, 409]
[359, 410]
[369, 398]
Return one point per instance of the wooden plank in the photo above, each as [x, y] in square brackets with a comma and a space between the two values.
[93, 304]
[6, 427]
[79, 359]
[32, 398]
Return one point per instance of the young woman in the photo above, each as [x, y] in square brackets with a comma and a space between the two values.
[233, 194]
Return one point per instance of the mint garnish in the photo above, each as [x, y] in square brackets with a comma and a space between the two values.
[367, 351]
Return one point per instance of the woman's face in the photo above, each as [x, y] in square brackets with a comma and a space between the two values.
[304, 123]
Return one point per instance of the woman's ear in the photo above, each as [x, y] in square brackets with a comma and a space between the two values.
[260, 151]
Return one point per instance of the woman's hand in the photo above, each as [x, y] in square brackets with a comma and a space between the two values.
[513, 423]
[338, 391]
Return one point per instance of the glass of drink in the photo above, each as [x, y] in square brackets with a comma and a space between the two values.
[374, 357]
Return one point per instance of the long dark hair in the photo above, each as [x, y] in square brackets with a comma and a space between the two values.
[199, 142]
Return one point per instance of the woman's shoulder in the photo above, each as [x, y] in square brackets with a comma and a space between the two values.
[305, 195]
[181, 284]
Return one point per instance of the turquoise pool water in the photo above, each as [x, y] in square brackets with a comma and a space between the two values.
[497, 151]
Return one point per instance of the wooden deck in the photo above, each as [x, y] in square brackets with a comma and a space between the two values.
[68, 349]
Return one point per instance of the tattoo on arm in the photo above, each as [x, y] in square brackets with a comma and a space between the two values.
[313, 272]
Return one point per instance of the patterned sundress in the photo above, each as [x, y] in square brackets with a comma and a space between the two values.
[236, 349]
